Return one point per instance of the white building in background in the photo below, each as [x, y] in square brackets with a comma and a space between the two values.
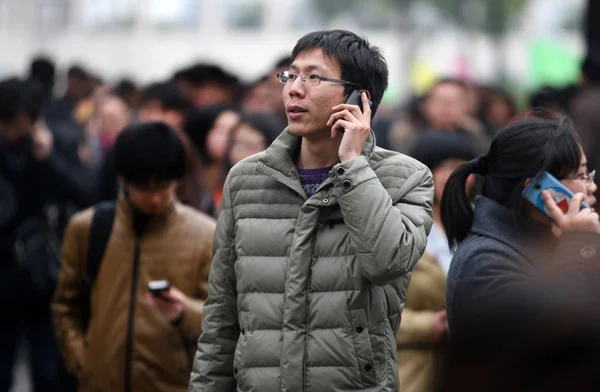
[149, 39]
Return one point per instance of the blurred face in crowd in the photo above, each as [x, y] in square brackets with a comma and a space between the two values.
[114, 116]
[218, 136]
[442, 173]
[246, 141]
[581, 182]
[446, 106]
[79, 87]
[209, 94]
[151, 199]
[308, 108]
[265, 97]
[17, 129]
[498, 112]
[153, 111]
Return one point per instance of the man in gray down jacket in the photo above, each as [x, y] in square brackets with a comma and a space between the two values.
[316, 239]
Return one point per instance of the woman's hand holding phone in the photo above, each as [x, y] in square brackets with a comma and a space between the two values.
[576, 219]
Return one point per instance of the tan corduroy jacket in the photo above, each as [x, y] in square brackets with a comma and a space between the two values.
[127, 338]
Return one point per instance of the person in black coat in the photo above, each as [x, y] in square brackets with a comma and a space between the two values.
[35, 177]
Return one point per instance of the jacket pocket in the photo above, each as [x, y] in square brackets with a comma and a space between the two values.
[362, 346]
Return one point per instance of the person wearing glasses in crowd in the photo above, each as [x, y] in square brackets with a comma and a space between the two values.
[316, 239]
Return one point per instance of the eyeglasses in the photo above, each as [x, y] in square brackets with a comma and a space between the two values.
[589, 176]
[287, 77]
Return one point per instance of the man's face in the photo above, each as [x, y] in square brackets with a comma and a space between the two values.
[308, 108]
[17, 129]
[153, 111]
[446, 106]
[113, 115]
[152, 199]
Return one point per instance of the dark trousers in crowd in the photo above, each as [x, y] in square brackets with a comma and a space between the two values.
[26, 318]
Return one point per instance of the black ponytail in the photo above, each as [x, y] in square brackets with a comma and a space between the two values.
[519, 151]
[456, 207]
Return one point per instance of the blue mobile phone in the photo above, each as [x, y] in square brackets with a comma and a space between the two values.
[546, 181]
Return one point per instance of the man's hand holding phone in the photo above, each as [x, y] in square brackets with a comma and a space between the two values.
[576, 219]
[166, 299]
[356, 125]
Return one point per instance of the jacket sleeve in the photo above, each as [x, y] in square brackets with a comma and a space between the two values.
[191, 326]
[213, 363]
[416, 327]
[69, 293]
[389, 236]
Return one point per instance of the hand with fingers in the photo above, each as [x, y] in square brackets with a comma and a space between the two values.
[356, 125]
[43, 141]
[576, 219]
[169, 303]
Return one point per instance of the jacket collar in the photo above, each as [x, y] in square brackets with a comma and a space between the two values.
[282, 154]
[496, 221]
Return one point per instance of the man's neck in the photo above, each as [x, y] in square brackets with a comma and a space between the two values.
[318, 153]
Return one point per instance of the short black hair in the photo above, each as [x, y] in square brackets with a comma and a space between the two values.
[124, 88]
[432, 148]
[149, 153]
[200, 74]
[360, 62]
[168, 94]
[126, 85]
[78, 72]
[20, 96]
[546, 97]
[42, 69]
[283, 62]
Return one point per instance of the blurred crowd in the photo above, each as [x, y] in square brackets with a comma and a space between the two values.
[222, 120]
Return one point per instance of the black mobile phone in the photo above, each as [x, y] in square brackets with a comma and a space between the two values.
[355, 99]
[157, 287]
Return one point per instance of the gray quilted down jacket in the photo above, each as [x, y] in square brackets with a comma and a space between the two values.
[306, 295]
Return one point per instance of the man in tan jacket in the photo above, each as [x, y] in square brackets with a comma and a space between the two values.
[135, 341]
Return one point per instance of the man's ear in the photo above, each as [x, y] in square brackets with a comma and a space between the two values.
[527, 181]
[367, 92]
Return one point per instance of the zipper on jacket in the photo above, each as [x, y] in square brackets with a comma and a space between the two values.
[131, 318]
[313, 258]
[308, 299]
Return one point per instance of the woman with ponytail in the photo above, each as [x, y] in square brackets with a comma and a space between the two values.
[504, 245]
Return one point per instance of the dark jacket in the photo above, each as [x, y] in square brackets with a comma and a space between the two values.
[510, 276]
[27, 186]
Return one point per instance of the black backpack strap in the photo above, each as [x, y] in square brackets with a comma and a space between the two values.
[102, 222]
[100, 229]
